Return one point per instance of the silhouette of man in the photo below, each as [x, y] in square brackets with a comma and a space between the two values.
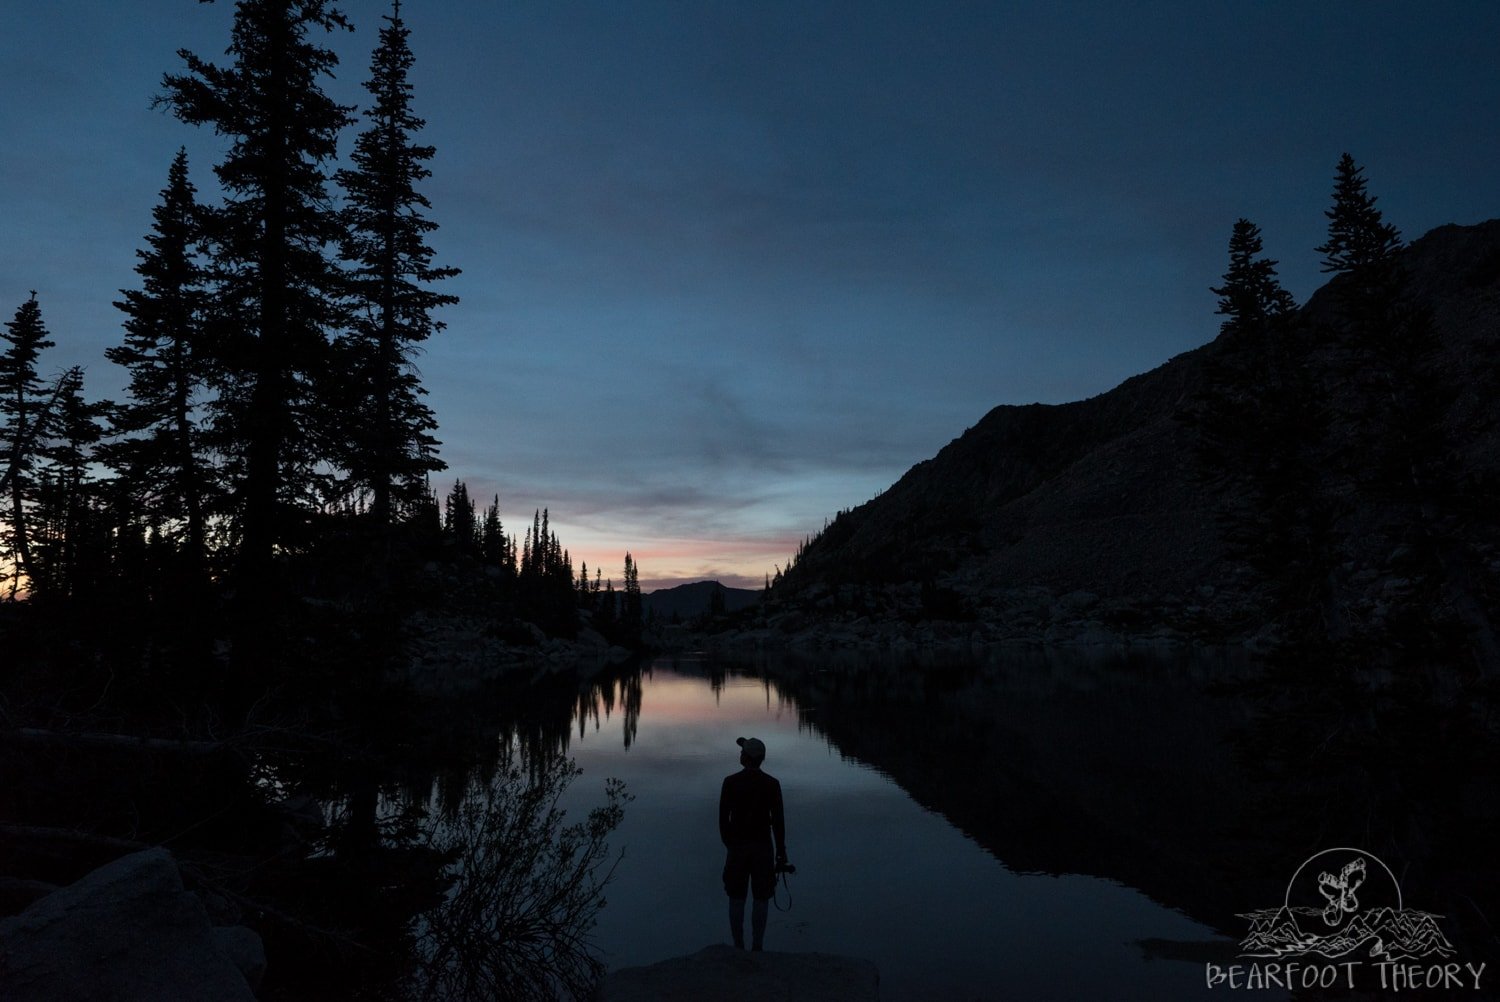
[750, 816]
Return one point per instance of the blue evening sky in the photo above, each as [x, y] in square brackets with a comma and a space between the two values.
[731, 267]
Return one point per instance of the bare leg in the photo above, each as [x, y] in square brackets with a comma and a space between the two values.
[737, 921]
[758, 924]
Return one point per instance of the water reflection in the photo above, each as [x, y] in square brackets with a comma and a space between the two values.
[915, 881]
[933, 792]
[597, 703]
[1044, 826]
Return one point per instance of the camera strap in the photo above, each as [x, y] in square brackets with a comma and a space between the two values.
[776, 893]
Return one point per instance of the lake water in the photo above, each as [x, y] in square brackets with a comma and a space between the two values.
[903, 790]
[1041, 825]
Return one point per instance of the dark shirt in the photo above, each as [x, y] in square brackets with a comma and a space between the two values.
[750, 811]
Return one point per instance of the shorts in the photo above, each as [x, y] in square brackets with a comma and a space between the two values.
[754, 865]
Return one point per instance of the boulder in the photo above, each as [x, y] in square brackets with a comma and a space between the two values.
[591, 638]
[127, 931]
[243, 948]
[725, 974]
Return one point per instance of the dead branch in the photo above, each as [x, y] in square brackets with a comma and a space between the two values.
[123, 742]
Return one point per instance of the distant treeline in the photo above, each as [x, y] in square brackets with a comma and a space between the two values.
[538, 574]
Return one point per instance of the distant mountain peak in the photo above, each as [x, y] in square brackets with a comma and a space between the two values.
[695, 598]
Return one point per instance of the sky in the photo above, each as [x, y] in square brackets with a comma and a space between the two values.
[729, 268]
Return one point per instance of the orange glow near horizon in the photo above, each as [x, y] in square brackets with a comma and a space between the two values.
[661, 563]
[738, 552]
[664, 563]
[11, 570]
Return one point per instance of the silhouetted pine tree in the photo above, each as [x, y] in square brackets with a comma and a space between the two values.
[1260, 425]
[541, 546]
[276, 292]
[606, 612]
[160, 452]
[25, 406]
[1390, 348]
[427, 518]
[584, 593]
[630, 606]
[556, 583]
[1360, 245]
[459, 519]
[1389, 343]
[1251, 293]
[546, 593]
[562, 576]
[492, 546]
[392, 448]
[1247, 363]
[70, 550]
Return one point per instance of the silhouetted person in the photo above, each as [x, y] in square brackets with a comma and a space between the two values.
[750, 815]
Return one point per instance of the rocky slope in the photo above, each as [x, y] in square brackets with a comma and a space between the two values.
[1103, 496]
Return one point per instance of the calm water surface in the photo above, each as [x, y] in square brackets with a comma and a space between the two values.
[880, 875]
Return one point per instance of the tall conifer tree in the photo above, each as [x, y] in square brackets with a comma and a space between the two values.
[1251, 293]
[1360, 243]
[1408, 462]
[1260, 426]
[459, 518]
[277, 292]
[160, 452]
[1388, 342]
[66, 542]
[630, 614]
[392, 448]
[24, 407]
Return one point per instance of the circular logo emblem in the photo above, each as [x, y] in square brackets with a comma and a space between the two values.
[1336, 885]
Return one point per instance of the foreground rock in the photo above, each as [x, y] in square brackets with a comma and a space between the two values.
[128, 931]
[725, 974]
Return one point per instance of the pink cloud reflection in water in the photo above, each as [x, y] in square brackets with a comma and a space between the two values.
[879, 876]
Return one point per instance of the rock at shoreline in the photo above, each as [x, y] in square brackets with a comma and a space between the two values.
[127, 931]
[725, 974]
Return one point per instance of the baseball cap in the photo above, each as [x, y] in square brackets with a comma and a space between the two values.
[754, 747]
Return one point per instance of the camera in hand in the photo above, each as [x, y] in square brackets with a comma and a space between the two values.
[782, 866]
